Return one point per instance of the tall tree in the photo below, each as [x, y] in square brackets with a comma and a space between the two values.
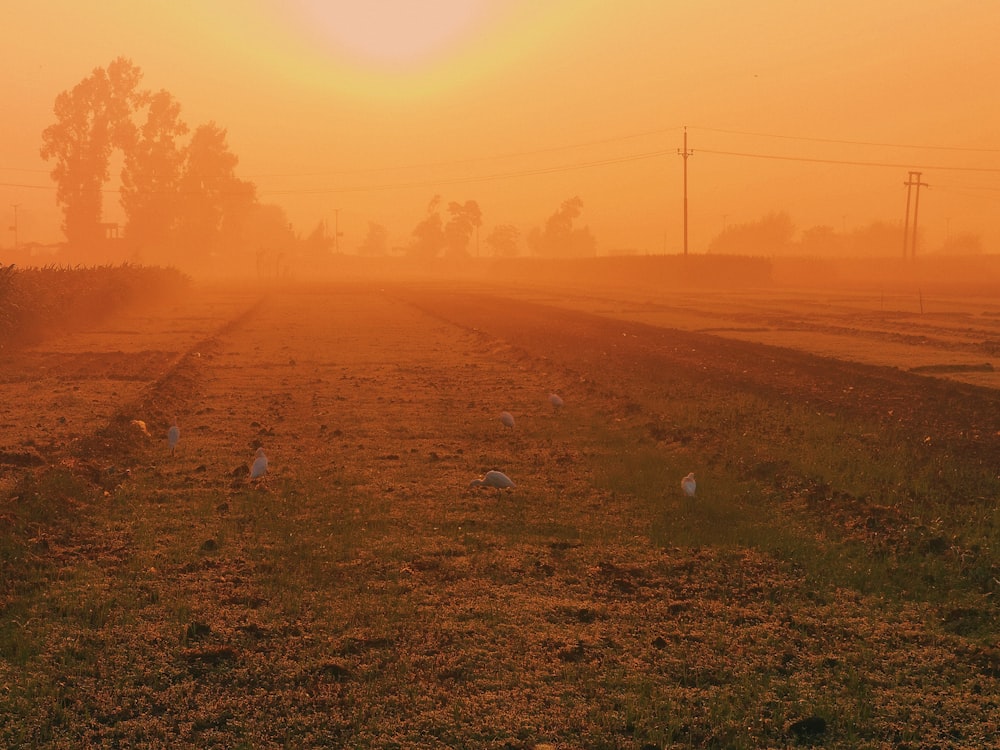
[559, 238]
[428, 236]
[213, 202]
[503, 240]
[465, 219]
[318, 242]
[376, 242]
[152, 172]
[92, 119]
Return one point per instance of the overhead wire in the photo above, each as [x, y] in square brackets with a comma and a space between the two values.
[854, 163]
[459, 162]
[639, 156]
[471, 178]
[852, 143]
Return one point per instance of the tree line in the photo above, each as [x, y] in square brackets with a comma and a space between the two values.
[179, 191]
[776, 234]
[452, 230]
[183, 201]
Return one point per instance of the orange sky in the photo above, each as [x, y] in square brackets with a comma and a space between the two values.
[520, 105]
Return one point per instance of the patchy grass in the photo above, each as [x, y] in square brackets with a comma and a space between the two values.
[361, 596]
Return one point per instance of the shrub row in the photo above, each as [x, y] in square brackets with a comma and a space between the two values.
[39, 302]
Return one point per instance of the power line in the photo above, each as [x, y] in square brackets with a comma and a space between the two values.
[640, 156]
[428, 182]
[853, 143]
[474, 160]
[852, 162]
[29, 187]
[471, 178]
[621, 138]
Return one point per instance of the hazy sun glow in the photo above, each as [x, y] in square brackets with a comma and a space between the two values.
[366, 109]
[394, 34]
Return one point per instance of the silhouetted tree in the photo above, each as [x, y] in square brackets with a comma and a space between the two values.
[962, 243]
[465, 219]
[376, 242]
[876, 239]
[318, 242]
[821, 241]
[503, 240]
[428, 236]
[92, 119]
[152, 173]
[559, 238]
[182, 196]
[213, 203]
[771, 235]
[262, 223]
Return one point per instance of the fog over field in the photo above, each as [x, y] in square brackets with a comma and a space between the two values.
[499, 374]
[246, 515]
[238, 135]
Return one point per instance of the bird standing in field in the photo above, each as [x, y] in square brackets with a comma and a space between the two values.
[493, 479]
[555, 401]
[173, 436]
[508, 419]
[259, 467]
[688, 485]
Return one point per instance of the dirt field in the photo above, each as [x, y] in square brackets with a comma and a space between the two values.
[362, 595]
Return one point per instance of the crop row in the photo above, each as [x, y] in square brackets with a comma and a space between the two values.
[38, 302]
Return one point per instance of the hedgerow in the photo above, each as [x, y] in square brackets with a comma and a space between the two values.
[37, 302]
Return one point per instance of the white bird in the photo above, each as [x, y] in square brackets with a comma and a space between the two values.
[555, 401]
[688, 485]
[507, 418]
[493, 479]
[173, 435]
[259, 467]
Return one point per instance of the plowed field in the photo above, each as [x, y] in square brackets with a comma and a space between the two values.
[833, 582]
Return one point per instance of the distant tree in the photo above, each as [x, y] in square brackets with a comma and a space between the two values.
[264, 226]
[152, 173]
[559, 238]
[318, 242]
[465, 219]
[503, 240]
[262, 223]
[962, 243]
[428, 238]
[92, 120]
[821, 241]
[376, 242]
[214, 203]
[876, 239]
[771, 235]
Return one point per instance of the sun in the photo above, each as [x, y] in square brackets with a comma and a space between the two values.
[394, 34]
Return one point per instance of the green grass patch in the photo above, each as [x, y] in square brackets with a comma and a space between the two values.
[848, 505]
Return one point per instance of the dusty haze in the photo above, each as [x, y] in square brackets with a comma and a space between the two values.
[344, 117]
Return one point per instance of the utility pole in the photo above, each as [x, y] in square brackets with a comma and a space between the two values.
[916, 208]
[336, 231]
[685, 153]
[14, 228]
[910, 244]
